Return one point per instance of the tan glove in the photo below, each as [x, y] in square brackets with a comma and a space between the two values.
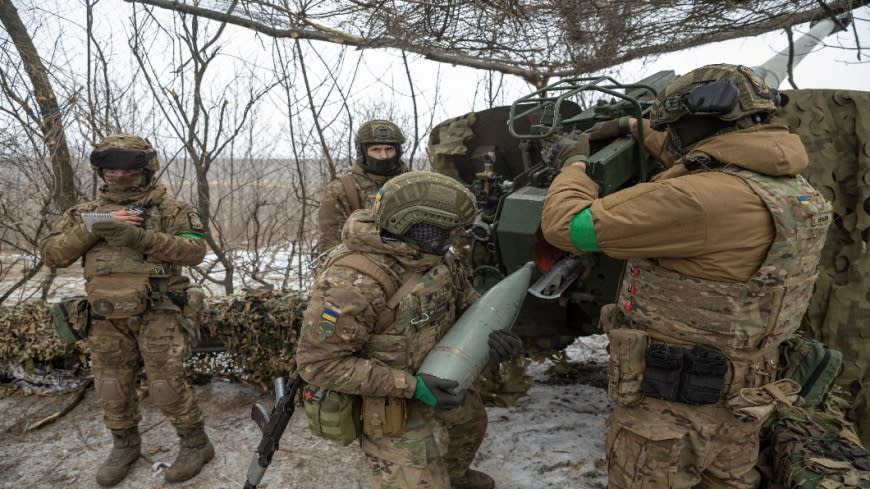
[608, 129]
[119, 234]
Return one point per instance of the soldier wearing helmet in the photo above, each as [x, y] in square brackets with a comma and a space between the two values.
[133, 241]
[381, 301]
[379, 152]
[721, 251]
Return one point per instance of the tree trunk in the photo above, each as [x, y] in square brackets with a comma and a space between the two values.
[64, 191]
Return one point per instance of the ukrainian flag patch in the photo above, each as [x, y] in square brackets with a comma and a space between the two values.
[379, 195]
[330, 315]
[803, 199]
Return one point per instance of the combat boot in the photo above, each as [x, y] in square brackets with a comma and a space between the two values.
[195, 451]
[125, 451]
[473, 479]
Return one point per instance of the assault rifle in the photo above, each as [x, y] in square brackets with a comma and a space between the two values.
[273, 426]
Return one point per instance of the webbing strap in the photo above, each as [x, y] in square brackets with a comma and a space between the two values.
[351, 191]
[367, 266]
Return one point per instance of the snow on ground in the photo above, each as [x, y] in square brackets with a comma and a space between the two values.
[553, 438]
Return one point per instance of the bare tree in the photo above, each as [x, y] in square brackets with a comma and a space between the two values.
[49, 115]
[206, 126]
[535, 40]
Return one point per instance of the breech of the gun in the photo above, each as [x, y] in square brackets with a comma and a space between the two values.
[565, 272]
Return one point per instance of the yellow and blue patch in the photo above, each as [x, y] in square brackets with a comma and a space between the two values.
[803, 199]
[330, 315]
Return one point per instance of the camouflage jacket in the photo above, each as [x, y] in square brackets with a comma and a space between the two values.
[356, 340]
[337, 203]
[173, 231]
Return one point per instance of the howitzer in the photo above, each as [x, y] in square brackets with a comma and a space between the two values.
[272, 426]
[498, 154]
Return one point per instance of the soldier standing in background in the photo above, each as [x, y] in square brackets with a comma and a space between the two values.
[132, 267]
[381, 301]
[722, 253]
[379, 152]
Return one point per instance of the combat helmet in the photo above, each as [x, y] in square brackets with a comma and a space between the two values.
[729, 93]
[379, 131]
[125, 152]
[424, 209]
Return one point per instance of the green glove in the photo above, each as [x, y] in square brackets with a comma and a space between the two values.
[437, 392]
[608, 129]
[120, 234]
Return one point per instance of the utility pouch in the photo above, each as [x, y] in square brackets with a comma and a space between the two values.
[191, 311]
[332, 415]
[118, 296]
[71, 319]
[810, 363]
[384, 416]
[627, 362]
[703, 376]
[664, 368]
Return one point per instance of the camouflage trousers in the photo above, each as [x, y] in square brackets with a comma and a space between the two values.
[120, 347]
[662, 444]
[437, 446]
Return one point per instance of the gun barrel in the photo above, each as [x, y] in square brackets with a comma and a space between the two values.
[775, 70]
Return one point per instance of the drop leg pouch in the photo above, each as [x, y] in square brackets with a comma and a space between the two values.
[627, 362]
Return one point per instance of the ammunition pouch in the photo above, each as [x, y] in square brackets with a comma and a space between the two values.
[384, 416]
[625, 374]
[691, 376]
[71, 319]
[810, 363]
[332, 415]
[118, 296]
[192, 303]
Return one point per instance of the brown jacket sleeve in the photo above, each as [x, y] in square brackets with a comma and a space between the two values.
[328, 351]
[655, 143]
[68, 240]
[334, 211]
[169, 247]
[709, 225]
[571, 192]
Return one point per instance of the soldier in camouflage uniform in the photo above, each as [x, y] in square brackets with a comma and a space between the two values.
[379, 151]
[380, 303]
[722, 253]
[132, 268]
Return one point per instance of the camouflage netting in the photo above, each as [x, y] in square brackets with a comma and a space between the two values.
[258, 333]
[27, 336]
[835, 127]
[255, 335]
[533, 39]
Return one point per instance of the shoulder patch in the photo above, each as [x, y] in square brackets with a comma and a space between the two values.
[327, 329]
[195, 221]
[330, 315]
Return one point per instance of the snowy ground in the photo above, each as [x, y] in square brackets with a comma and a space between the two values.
[554, 437]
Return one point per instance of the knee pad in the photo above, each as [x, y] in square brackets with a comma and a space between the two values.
[111, 393]
[163, 393]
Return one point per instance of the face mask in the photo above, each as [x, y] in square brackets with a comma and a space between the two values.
[125, 182]
[430, 239]
[381, 167]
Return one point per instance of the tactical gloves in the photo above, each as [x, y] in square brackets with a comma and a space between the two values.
[118, 233]
[568, 150]
[608, 129]
[504, 345]
[438, 392]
